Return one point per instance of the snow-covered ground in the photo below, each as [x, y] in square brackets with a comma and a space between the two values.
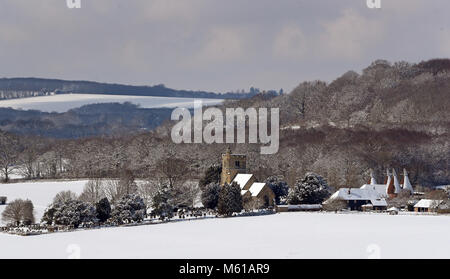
[40, 193]
[65, 102]
[285, 235]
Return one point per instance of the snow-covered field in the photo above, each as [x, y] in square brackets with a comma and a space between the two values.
[286, 235]
[40, 193]
[65, 102]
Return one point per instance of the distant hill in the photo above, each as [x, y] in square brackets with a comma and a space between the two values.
[87, 121]
[11, 88]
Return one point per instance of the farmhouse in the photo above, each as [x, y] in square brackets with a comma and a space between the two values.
[373, 196]
[234, 169]
[425, 205]
[357, 198]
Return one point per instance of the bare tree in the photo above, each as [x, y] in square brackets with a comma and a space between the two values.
[64, 196]
[19, 211]
[148, 190]
[9, 153]
[93, 191]
[175, 170]
[113, 191]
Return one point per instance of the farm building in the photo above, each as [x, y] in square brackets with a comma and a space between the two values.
[425, 205]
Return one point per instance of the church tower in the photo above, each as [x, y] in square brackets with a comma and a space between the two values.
[232, 164]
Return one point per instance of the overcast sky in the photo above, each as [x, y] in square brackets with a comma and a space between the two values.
[215, 45]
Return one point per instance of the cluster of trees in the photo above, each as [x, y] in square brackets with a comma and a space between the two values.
[226, 199]
[67, 210]
[391, 115]
[86, 121]
[27, 87]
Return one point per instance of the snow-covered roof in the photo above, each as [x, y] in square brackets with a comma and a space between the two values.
[378, 202]
[243, 192]
[425, 203]
[361, 194]
[256, 188]
[242, 179]
[379, 188]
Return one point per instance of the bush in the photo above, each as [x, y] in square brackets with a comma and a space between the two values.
[19, 212]
[103, 208]
[70, 213]
[131, 208]
[210, 195]
[313, 189]
[230, 199]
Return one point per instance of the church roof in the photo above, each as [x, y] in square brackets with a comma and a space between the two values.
[242, 179]
[256, 188]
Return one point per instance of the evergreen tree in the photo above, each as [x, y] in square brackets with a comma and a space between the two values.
[313, 189]
[279, 187]
[163, 203]
[103, 208]
[210, 195]
[130, 208]
[230, 199]
[212, 175]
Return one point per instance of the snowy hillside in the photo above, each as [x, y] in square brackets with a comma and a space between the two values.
[65, 102]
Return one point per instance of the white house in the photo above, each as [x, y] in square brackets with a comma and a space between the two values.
[425, 205]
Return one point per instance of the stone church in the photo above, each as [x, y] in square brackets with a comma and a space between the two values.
[234, 169]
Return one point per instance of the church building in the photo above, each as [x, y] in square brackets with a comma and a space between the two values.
[234, 169]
